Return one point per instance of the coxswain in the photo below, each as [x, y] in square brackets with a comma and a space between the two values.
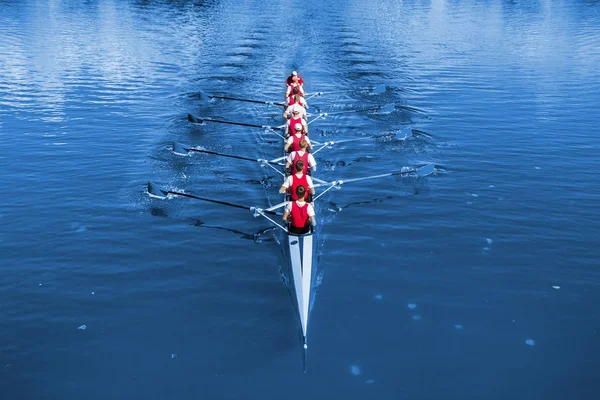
[297, 179]
[293, 81]
[293, 142]
[304, 155]
[296, 98]
[299, 213]
[296, 118]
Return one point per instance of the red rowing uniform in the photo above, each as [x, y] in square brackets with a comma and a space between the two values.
[304, 158]
[297, 182]
[296, 141]
[289, 80]
[293, 122]
[300, 216]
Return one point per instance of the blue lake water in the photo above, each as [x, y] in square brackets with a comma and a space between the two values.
[481, 281]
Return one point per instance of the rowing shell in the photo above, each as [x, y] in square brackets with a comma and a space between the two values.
[300, 252]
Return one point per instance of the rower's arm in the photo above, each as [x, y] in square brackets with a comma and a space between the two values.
[284, 187]
[312, 163]
[285, 216]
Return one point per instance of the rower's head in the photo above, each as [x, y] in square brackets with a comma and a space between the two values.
[300, 191]
[299, 166]
[294, 73]
[303, 144]
[295, 91]
[298, 127]
[296, 111]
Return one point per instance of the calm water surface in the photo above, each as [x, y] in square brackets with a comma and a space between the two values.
[481, 281]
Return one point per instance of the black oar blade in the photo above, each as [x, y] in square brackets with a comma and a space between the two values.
[157, 191]
[179, 148]
[195, 120]
[425, 170]
[381, 89]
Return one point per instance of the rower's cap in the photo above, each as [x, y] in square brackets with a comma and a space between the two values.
[296, 110]
[294, 73]
[298, 127]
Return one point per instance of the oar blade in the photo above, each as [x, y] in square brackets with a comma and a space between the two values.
[425, 170]
[157, 191]
[179, 148]
[193, 119]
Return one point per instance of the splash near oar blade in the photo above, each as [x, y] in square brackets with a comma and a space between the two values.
[195, 120]
[178, 148]
[157, 191]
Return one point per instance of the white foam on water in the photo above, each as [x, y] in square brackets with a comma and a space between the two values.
[492, 186]
[378, 296]
[537, 168]
[486, 249]
[82, 327]
[530, 342]
[490, 241]
[556, 287]
[355, 370]
[412, 306]
[173, 356]
[458, 327]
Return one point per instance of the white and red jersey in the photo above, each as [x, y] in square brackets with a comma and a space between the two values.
[300, 213]
[290, 80]
[291, 100]
[306, 157]
[293, 121]
[294, 141]
[290, 89]
[302, 111]
[293, 181]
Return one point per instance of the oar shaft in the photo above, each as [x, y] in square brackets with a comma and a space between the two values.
[197, 120]
[234, 123]
[223, 154]
[225, 203]
[270, 103]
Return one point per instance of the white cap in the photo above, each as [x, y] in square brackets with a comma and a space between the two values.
[298, 127]
[294, 73]
[296, 109]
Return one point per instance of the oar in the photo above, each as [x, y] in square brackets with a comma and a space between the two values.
[197, 120]
[420, 172]
[179, 148]
[388, 108]
[158, 191]
[204, 96]
[380, 89]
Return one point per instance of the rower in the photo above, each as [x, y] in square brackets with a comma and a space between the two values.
[290, 111]
[304, 155]
[299, 214]
[293, 142]
[296, 118]
[296, 98]
[298, 179]
[292, 81]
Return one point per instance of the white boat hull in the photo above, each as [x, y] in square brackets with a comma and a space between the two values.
[300, 250]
